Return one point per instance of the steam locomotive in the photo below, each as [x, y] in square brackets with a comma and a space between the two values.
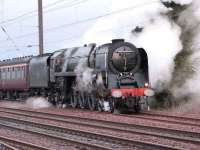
[109, 77]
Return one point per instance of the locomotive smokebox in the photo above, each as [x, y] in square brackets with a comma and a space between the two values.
[114, 41]
[124, 57]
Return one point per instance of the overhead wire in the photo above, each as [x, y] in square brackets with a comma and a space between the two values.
[98, 32]
[32, 13]
[72, 37]
[70, 4]
[75, 3]
[85, 20]
[9, 38]
[28, 13]
[33, 33]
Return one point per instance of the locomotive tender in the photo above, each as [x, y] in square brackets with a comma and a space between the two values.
[113, 76]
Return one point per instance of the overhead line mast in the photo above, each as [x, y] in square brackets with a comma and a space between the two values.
[40, 27]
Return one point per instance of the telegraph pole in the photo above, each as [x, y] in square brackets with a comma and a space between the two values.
[40, 26]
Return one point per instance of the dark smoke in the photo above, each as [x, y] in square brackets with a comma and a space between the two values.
[185, 76]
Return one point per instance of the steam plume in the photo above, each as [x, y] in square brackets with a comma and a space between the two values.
[169, 34]
[84, 78]
[37, 102]
[159, 35]
[187, 73]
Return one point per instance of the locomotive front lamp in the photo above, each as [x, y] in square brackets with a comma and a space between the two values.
[146, 85]
[117, 93]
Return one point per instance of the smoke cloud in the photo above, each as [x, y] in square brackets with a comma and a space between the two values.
[161, 48]
[84, 78]
[170, 35]
[187, 73]
[181, 2]
[37, 102]
[159, 35]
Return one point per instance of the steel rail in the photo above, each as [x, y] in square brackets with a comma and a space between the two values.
[167, 119]
[98, 136]
[175, 134]
[14, 144]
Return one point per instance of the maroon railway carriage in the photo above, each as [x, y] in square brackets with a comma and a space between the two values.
[14, 76]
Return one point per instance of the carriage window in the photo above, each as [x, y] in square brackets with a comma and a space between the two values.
[10, 70]
[3, 74]
[13, 73]
[22, 72]
[4, 70]
[18, 72]
[8, 74]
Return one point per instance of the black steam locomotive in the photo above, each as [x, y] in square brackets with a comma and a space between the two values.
[113, 76]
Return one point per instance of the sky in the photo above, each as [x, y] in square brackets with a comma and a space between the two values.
[63, 24]
[69, 23]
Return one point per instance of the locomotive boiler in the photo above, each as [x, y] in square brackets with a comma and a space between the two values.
[113, 76]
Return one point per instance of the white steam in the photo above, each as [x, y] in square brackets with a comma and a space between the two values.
[99, 79]
[37, 102]
[190, 20]
[32, 102]
[124, 16]
[84, 78]
[162, 43]
[159, 37]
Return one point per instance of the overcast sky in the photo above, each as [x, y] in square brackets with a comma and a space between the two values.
[72, 23]
[19, 19]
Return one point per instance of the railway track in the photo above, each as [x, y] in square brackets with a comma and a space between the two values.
[169, 118]
[177, 135]
[55, 132]
[92, 140]
[14, 144]
[175, 115]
